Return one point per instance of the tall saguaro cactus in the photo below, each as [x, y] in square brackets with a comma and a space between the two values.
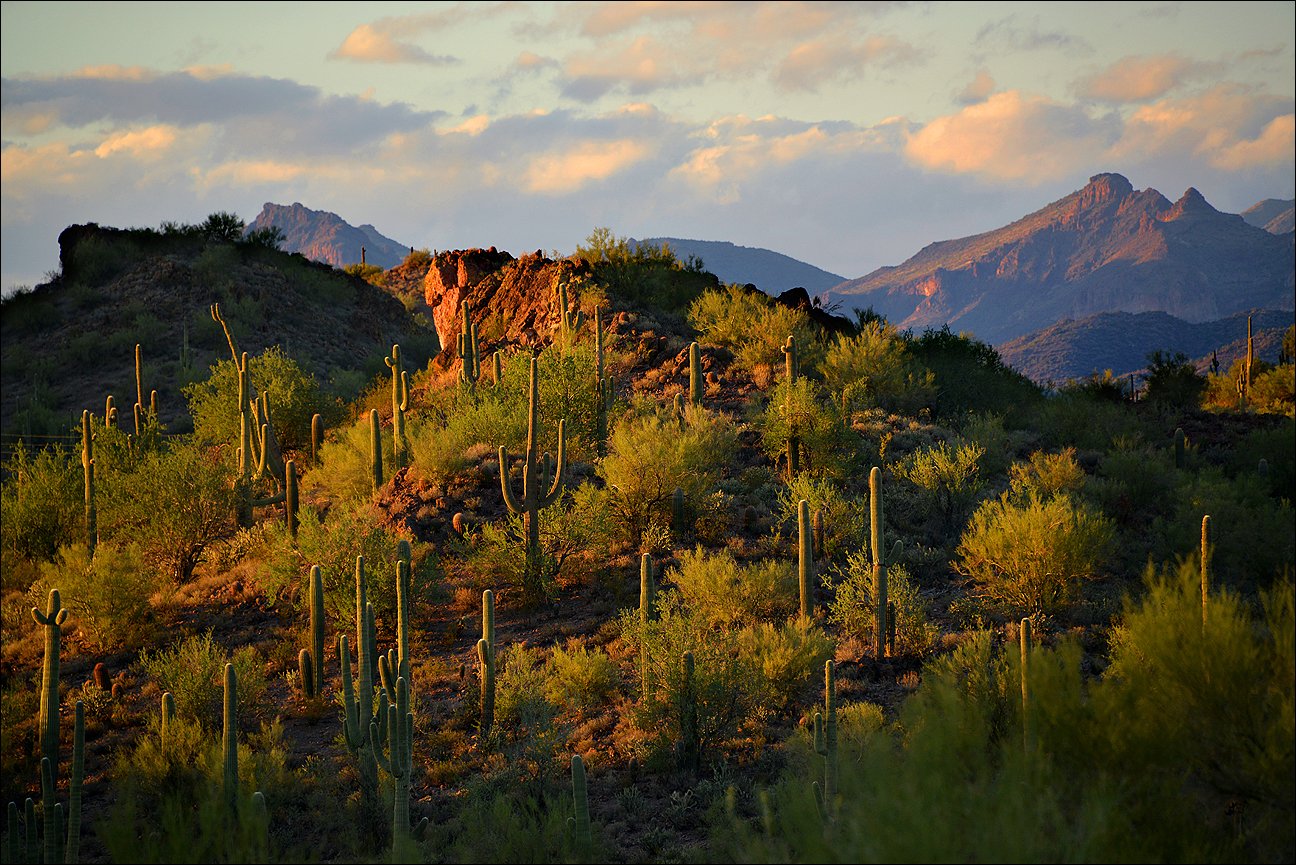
[398, 762]
[470, 366]
[647, 612]
[1205, 564]
[805, 558]
[695, 375]
[88, 465]
[825, 743]
[52, 621]
[580, 820]
[486, 657]
[375, 451]
[881, 561]
[400, 404]
[534, 493]
[358, 708]
[602, 386]
[791, 369]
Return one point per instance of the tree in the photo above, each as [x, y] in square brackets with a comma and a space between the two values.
[223, 225]
[1172, 380]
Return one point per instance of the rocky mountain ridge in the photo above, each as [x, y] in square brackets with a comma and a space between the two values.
[1104, 248]
[323, 236]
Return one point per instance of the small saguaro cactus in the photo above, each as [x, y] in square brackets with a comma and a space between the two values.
[290, 497]
[881, 561]
[647, 612]
[791, 369]
[580, 820]
[466, 351]
[825, 744]
[805, 559]
[535, 494]
[375, 451]
[602, 386]
[52, 621]
[72, 852]
[400, 404]
[497, 367]
[569, 320]
[88, 465]
[695, 375]
[689, 748]
[317, 437]
[110, 413]
[1179, 446]
[168, 717]
[486, 658]
[306, 672]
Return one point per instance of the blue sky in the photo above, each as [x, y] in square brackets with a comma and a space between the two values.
[848, 135]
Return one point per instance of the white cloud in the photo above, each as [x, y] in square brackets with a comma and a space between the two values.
[569, 170]
[151, 142]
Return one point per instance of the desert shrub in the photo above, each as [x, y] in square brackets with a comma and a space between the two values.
[580, 678]
[724, 681]
[987, 430]
[754, 328]
[441, 439]
[1045, 475]
[175, 504]
[193, 670]
[1173, 381]
[854, 604]
[1277, 447]
[947, 478]
[345, 470]
[107, 595]
[723, 593]
[1251, 532]
[294, 397]
[644, 274]
[418, 258]
[1274, 390]
[650, 456]
[971, 377]
[873, 368]
[334, 543]
[826, 446]
[41, 502]
[1135, 477]
[845, 519]
[1030, 556]
[1075, 419]
[96, 260]
[223, 225]
[727, 317]
[522, 703]
[525, 826]
[782, 654]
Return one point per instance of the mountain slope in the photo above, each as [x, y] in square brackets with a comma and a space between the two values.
[772, 272]
[1274, 215]
[1121, 342]
[1104, 248]
[327, 237]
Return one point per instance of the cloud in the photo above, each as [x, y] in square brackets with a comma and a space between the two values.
[1138, 79]
[1274, 146]
[380, 43]
[150, 142]
[568, 171]
[811, 64]
[1009, 34]
[977, 90]
[639, 66]
[1011, 136]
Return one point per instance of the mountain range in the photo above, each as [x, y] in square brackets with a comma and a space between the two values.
[1103, 248]
[323, 236]
[772, 272]
[1274, 215]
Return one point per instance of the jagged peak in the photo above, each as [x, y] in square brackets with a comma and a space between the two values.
[1105, 187]
[1190, 202]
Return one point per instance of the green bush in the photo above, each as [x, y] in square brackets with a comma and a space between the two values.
[580, 678]
[646, 275]
[1045, 475]
[345, 470]
[854, 605]
[193, 670]
[41, 502]
[723, 593]
[1030, 557]
[785, 656]
[649, 457]
[755, 329]
[947, 479]
[845, 520]
[827, 447]
[107, 596]
[971, 377]
[528, 717]
[294, 398]
[1173, 381]
[873, 368]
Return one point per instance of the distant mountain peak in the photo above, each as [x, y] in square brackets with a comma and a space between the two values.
[772, 272]
[324, 236]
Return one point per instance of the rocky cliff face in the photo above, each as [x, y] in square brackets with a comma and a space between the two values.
[1104, 248]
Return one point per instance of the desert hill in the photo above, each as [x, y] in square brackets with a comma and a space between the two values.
[323, 236]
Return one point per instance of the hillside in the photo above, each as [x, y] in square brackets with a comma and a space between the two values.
[1121, 342]
[1274, 215]
[770, 271]
[1104, 248]
[323, 236]
[71, 342]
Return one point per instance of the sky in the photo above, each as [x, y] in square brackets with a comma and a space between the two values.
[847, 135]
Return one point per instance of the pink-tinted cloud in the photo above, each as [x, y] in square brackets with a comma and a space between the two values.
[1138, 79]
[387, 41]
[1273, 146]
[977, 90]
[565, 171]
[1229, 126]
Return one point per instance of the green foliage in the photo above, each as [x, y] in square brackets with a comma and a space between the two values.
[845, 519]
[193, 670]
[1045, 475]
[344, 473]
[1172, 380]
[418, 258]
[717, 589]
[525, 716]
[96, 260]
[41, 502]
[580, 678]
[827, 447]
[370, 273]
[646, 275]
[947, 478]
[650, 456]
[108, 594]
[1277, 447]
[855, 602]
[269, 237]
[970, 376]
[1030, 557]
[223, 225]
[785, 656]
[754, 328]
[873, 368]
[295, 396]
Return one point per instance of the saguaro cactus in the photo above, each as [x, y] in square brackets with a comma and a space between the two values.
[316, 588]
[317, 437]
[88, 465]
[534, 495]
[580, 820]
[52, 621]
[825, 744]
[1205, 564]
[486, 657]
[647, 612]
[400, 404]
[805, 558]
[358, 707]
[72, 852]
[466, 350]
[569, 320]
[695, 375]
[881, 561]
[602, 386]
[375, 451]
[398, 763]
[791, 369]
[290, 497]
